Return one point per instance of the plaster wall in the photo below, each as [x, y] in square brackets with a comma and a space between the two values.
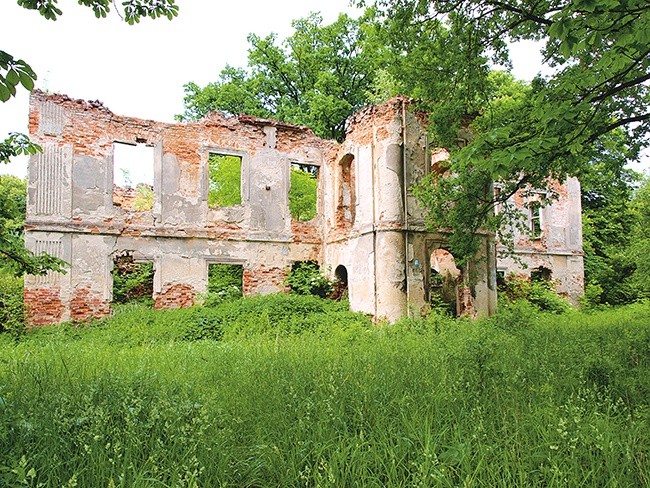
[557, 248]
[367, 220]
[71, 213]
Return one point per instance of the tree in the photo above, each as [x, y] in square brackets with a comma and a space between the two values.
[15, 72]
[599, 50]
[608, 222]
[640, 243]
[316, 77]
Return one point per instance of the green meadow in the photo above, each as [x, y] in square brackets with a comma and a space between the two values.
[297, 391]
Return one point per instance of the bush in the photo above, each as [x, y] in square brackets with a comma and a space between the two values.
[592, 298]
[224, 283]
[11, 303]
[272, 315]
[306, 278]
[132, 282]
[539, 293]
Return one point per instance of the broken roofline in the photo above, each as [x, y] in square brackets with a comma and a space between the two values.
[213, 116]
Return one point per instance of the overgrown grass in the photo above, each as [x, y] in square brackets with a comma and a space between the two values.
[317, 396]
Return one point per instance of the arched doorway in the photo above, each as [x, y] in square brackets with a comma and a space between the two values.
[444, 277]
[340, 283]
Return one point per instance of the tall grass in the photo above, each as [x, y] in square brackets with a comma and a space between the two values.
[522, 399]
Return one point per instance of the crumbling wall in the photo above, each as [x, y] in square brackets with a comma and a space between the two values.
[76, 213]
[558, 245]
[386, 249]
[368, 227]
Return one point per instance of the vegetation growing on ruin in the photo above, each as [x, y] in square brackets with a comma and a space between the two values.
[132, 281]
[443, 54]
[225, 283]
[307, 278]
[297, 390]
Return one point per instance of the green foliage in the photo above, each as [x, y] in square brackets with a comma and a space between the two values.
[144, 197]
[303, 194]
[558, 401]
[553, 127]
[224, 283]
[442, 293]
[132, 282]
[639, 251]
[538, 293]
[275, 315]
[11, 303]
[316, 77]
[607, 222]
[14, 72]
[306, 278]
[225, 180]
[13, 255]
[16, 144]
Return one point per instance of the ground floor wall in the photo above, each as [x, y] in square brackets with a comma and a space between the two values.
[180, 270]
[564, 269]
[388, 273]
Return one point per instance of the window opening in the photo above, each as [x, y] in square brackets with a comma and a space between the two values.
[540, 275]
[535, 214]
[225, 282]
[535, 219]
[224, 186]
[347, 198]
[133, 176]
[303, 191]
[307, 278]
[443, 282]
[501, 280]
[132, 280]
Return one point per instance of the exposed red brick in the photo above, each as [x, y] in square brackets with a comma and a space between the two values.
[43, 305]
[87, 304]
[263, 276]
[176, 295]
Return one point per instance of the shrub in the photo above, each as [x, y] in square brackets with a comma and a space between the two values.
[144, 197]
[132, 282]
[306, 278]
[224, 283]
[11, 303]
[272, 315]
[592, 298]
[539, 293]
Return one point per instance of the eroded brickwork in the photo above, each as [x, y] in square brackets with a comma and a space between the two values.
[175, 296]
[43, 305]
[87, 304]
[259, 279]
[368, 227]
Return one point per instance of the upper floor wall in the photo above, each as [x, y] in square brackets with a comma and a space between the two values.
[73, 183]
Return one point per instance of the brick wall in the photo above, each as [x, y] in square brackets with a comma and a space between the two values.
[87, 304]
[43, 305]
[175, 296]
[256, 280]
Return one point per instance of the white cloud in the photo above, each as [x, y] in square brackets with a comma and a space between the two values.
[138, 70]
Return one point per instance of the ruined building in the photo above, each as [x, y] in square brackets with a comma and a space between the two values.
[368, 230]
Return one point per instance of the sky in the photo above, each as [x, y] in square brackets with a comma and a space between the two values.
[140, 70]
